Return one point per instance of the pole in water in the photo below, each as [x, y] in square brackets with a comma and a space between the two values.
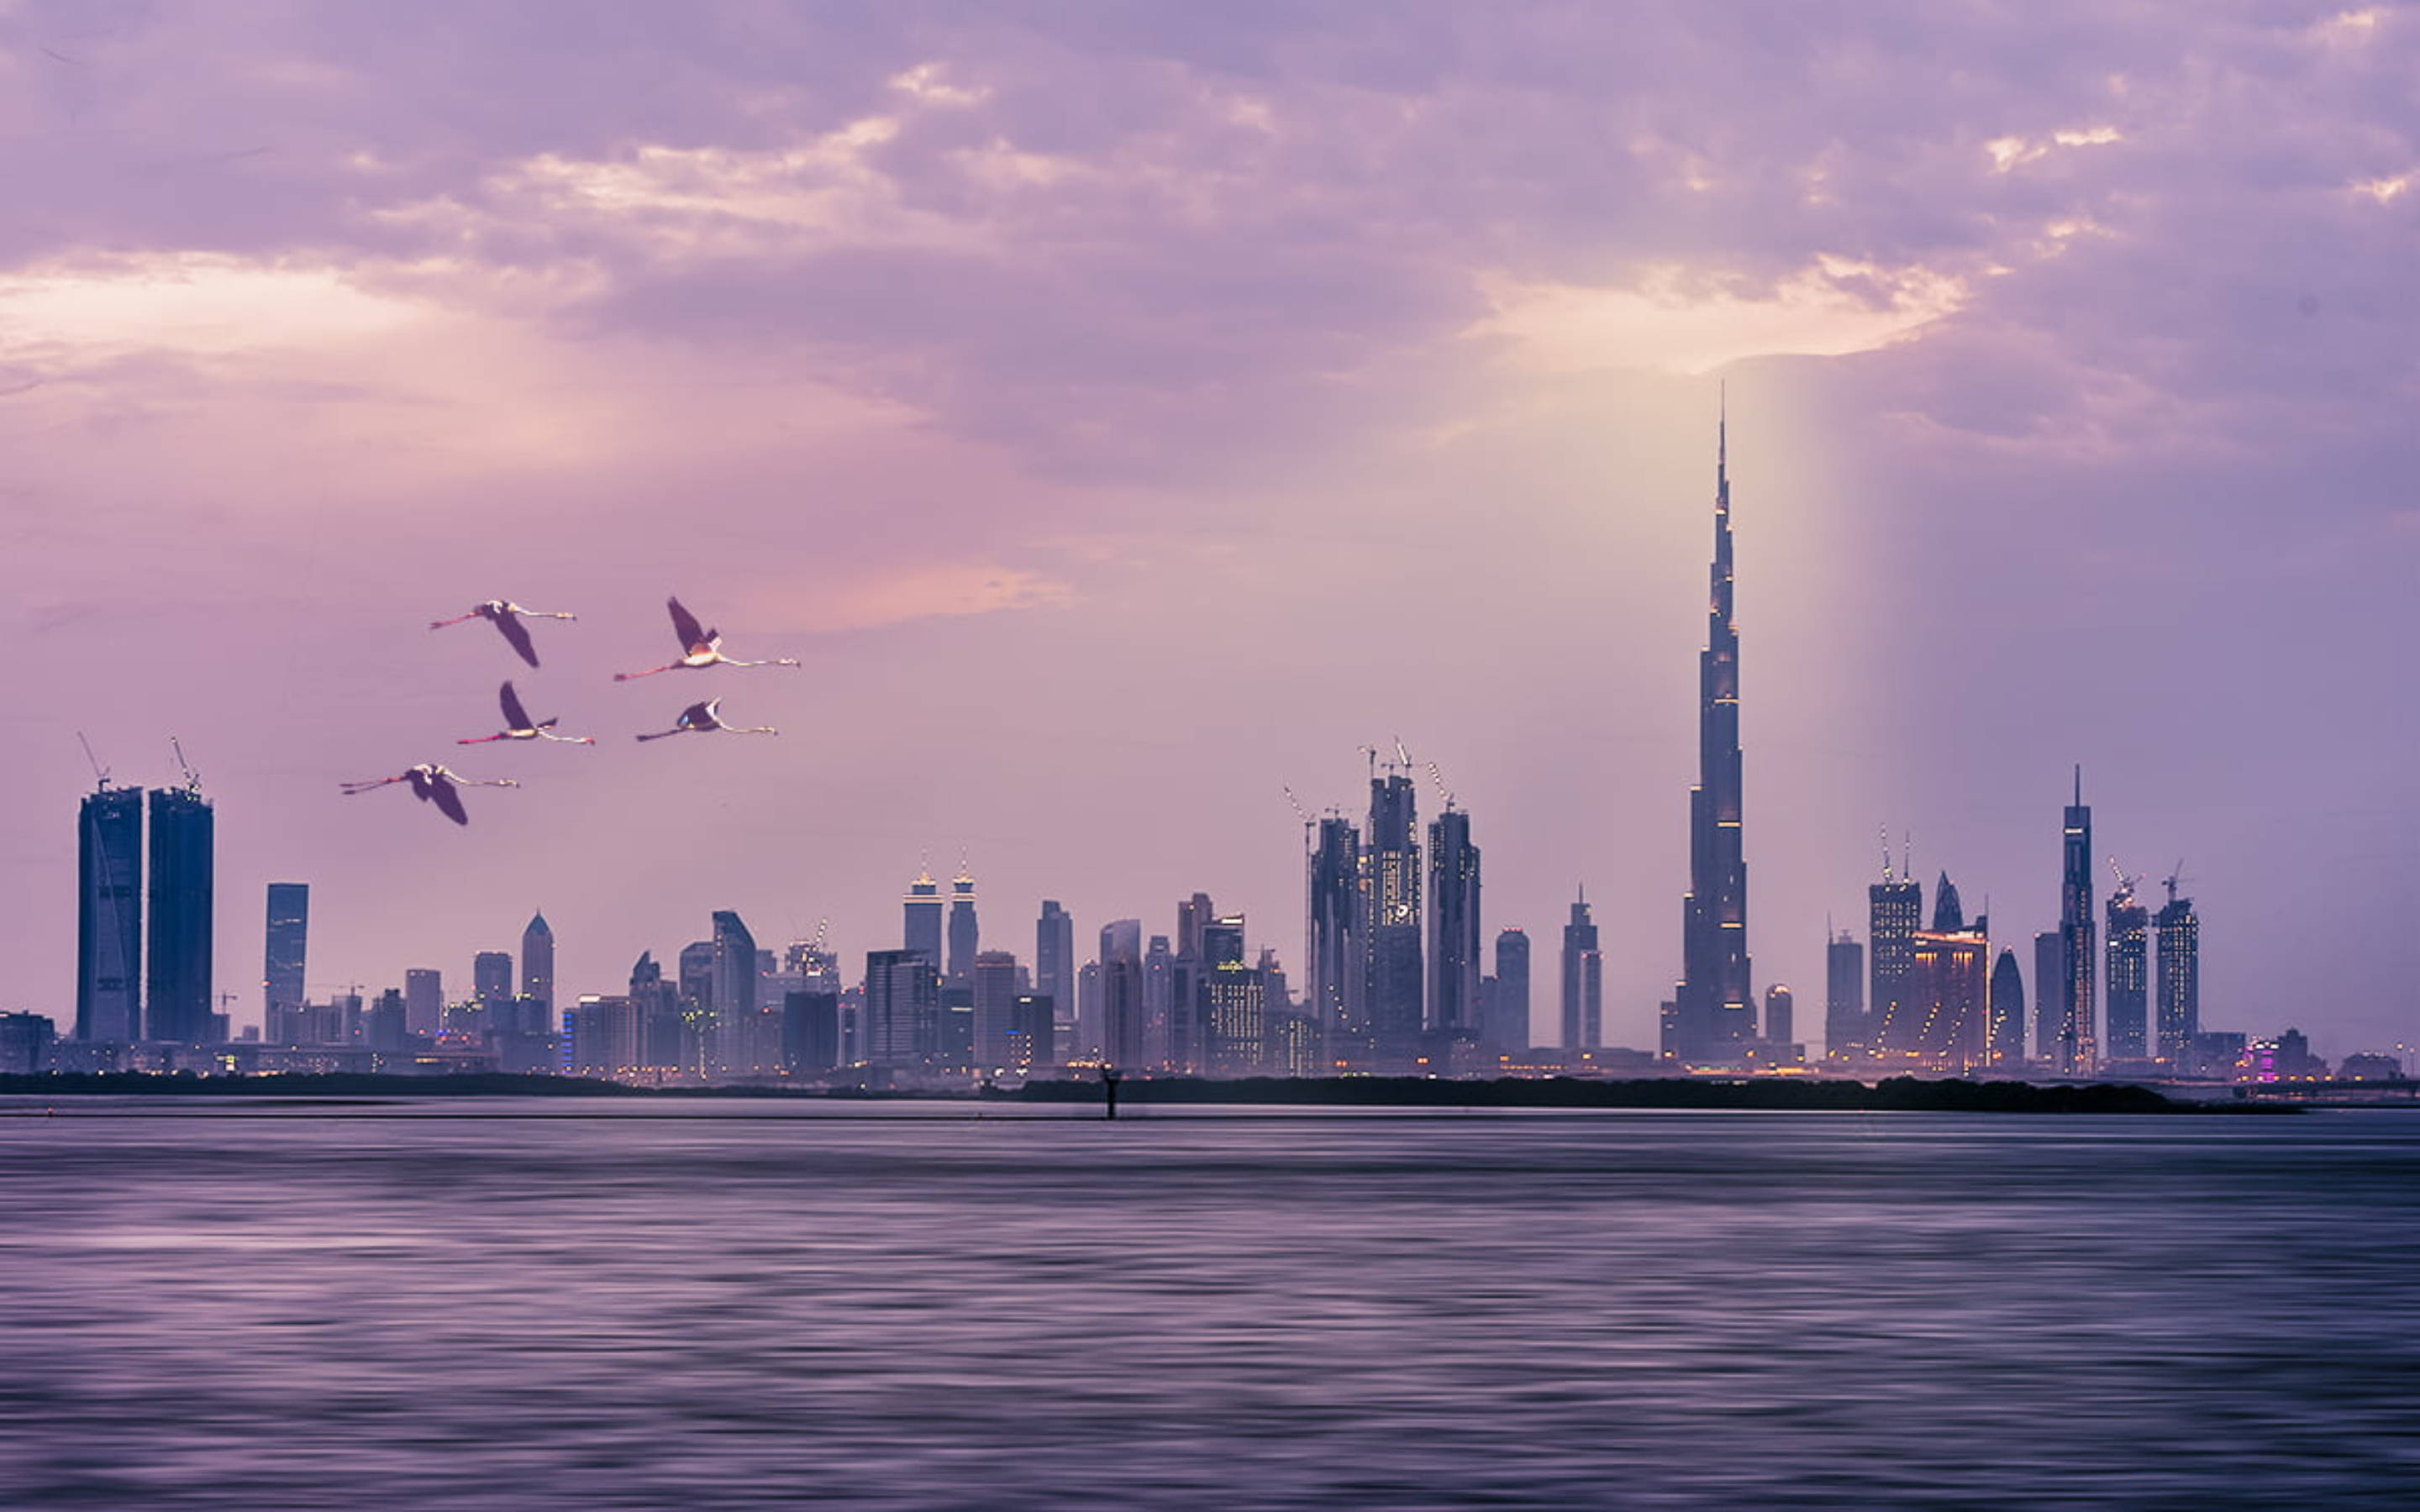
[1109, 1091]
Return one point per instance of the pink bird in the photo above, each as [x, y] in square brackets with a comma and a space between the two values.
[434, 784]
[700, 717]
[699, 648]
[519, 726]
[504, 615]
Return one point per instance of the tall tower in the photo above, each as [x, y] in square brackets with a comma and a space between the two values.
[423, 1002]
[1583, 989]
[2077, 1054]
[1712, 1012]
[2128, 1013]
[1508, 1032]
[281, 970]
[2180, 981]
[1392, 900]
[923, 910]
[1453, 927]
[964, 934]
[1895, 911]
[2050, 971]
[1337, 982]
[1844, 997]
[537, 973]
[177, 964]
[1054, 961]
[2005, 1045]
[109, 914]
[733, 991]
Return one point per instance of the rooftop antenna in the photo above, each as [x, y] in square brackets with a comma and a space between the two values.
[193, 779]
[100, 773]
[1907, 856]
[1885, 831]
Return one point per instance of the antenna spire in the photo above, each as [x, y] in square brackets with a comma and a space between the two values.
[1722, 425]
[2079, 784]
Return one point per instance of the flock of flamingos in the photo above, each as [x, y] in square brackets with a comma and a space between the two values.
[701, 648]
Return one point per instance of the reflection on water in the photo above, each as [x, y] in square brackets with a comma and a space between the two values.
[529, 1305]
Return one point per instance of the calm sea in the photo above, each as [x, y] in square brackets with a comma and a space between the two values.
[537, 1305]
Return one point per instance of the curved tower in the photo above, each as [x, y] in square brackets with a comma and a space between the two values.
[1711, 1016]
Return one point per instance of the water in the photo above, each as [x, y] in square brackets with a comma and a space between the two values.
[705, 1306]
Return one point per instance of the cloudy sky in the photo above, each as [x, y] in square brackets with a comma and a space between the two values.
[1128, 411]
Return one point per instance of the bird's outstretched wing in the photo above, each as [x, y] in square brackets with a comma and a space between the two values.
[512, 629]
[448, 801]
[685, 625]
[515, 717]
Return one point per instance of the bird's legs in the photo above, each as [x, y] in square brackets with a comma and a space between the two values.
[776, 661]
[351, 787]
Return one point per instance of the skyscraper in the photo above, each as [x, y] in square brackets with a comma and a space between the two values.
[903, 1007]
[2005, 1045]
[1844, 997]
[2126, 1017]
[1712, 1015]
[281, 972]
[537, 974]
[1054, 960]
[1454, 928]
[735, 1049]
[2050, 974]
[922, 911]
[1508, 1032]
[109, 914]
[1583, 988]
[2180, 978]
[177, 967]
[1895, 911]
[1941, 1023]
[423, 1002]
[1780, 1020]
[965, 935]
[491, 984]
[1949, 915]
[2077, 1052]
[1121, 990]
[1392, 900]
[995, 1007]
[1235, 1024]
[1337, 981]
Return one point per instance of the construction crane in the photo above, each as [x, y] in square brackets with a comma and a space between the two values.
[1444, 791]
[1403, 757]
[193, 779]
[2175, 879]
[2126, 884]
[1297, 805]
[823, 932]
[100, 773]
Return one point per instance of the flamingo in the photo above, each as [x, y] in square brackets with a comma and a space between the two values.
[434, 784]
[700, 717]
[699, 648]
[504, 615]
[519, 726]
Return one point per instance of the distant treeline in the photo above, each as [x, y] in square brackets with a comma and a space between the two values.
[1897, 1094]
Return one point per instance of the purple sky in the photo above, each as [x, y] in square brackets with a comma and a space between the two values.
[1126, 411]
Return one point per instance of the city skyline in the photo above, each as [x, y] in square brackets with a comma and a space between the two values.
[1103, 511]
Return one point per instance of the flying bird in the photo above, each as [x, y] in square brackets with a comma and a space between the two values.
[700, 717]
[434, 784]
[699, 648]
[506, 616]
[519, 726]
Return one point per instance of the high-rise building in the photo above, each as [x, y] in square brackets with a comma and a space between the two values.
[735, 1047]
[423, 1002]
[281, 964]
[1894, 913]
[1336, 948]
[537, 973]
[2127, 1016]
[1941, 1023]
[1193, 914]
[2078, 1052]
[903, 1007]
[1123, 1017]
[2050, 972]
[964, 935]
[109, 916]
[492, 984]
[1392, 900]
[1054, 960]
[176, 962]
[923, 918]
[1164, 1043]
[1583, 1010]
[1844, 997]
[1454, 928]
[1033, 1039]
[1712, 1015]
[2180, 978]
[1779, 1019]
[1235, 1020]
[995, 1008]
[1508, 1032]
[2005, 1043]
[1948, 914]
